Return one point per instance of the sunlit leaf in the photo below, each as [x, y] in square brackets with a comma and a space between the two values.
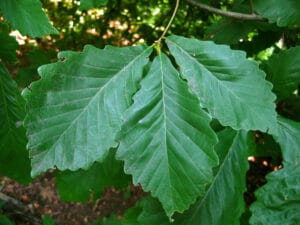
[231, 87]
[166, 141]
[75, 109]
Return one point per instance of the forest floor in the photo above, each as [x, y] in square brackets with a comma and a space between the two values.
[40, 197]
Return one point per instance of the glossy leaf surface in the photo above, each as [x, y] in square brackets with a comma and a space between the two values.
[75, 109]
[166, 141]
[89, 4]
[231, 87]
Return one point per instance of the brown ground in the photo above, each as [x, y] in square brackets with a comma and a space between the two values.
[40, 197]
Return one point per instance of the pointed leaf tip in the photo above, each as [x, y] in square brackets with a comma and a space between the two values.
[166, 141]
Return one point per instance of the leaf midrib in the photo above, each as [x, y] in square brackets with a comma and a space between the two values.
[95, 96]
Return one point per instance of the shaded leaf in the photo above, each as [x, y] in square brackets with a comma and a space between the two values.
[9, 45]
[112, 220]
[231, 87]
[289, 140]
[47, 220]
[166, 141]
[27, 16]
[152, 213]
[223, 202]
[283, 70]
[14, 160]
[278, 201]
[75, 109]
[283, 12]
[82, 184]
[89, 4]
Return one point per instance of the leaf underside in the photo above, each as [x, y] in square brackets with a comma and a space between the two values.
[75, 109]
[232, 88]
[166, 141]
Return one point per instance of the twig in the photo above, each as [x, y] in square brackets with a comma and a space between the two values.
[235, 15]
[170, 22]
[15, 207]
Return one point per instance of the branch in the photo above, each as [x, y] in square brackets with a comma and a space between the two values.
[235, 15]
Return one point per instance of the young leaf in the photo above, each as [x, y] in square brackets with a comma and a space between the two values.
[81, 184]
[278, 201]
[166, 141]
[230, 86]
[289, 140]
[27, 16]
[89, 4]
[14, 160]
[223, 202]
[283, 70]
[75, 109]
[283, 12]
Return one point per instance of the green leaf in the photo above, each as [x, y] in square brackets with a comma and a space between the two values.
[89, 4]
[82, 184]
[75, 109]
[278, 201]
[14, 160]
[166, 141]
[27, 16]
[152, 213]
[47, 220]
[283, 12]
[229, 31]
[289, 140]
[5, 221]
[112, 220]
[231, 87]
[283, 70]
[223, 202]
[9, 45]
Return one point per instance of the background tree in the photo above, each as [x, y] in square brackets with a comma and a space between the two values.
[200, 87]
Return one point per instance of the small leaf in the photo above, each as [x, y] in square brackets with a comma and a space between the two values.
[231, 87]
[289, 140]
[47, 220]
[82, 184]
[223, 202]
[89, 4]
[75, 109]
[278, 201]
[283, 70]
[9, 46]
[14, 160]
[283, 12]
[166, 141]
[27, 16]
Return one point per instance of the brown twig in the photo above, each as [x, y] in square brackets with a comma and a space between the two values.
[251, 6]
[235, 15]
[14, 207]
